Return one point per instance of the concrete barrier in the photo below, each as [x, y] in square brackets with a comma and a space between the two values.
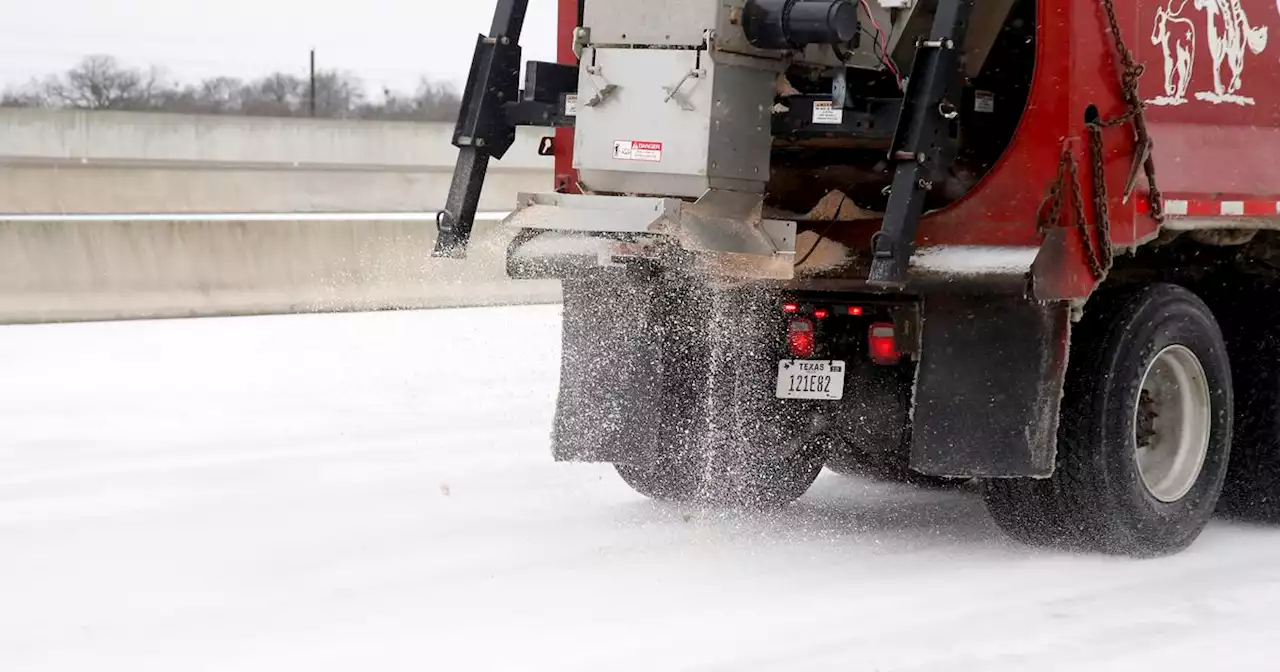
[110, 268]
[173, 216]
[76, 162]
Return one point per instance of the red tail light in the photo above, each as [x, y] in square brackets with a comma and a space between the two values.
[855, 311]
[790, 307]
[883, 344]
[800, 338]
[820, 314]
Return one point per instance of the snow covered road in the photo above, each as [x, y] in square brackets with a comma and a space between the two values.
[374, 492]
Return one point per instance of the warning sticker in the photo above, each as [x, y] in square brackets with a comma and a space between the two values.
[825, 112]
[637, 150]
[984, 101]
[571, 105]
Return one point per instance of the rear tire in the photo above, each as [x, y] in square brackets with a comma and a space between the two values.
[666, 481]
[759, 482]
[762, 481]
[1145, 432]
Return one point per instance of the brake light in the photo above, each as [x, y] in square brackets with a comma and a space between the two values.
[855, 311]
[883, 344]
[790, 307]
[800, 338]
[820, 314]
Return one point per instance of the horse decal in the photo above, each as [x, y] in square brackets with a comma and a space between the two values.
[1176, 37]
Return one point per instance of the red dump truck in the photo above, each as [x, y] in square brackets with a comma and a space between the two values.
[1030, 244]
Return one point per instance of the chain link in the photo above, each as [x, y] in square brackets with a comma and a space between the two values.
[1136, 113]
[1099, 259]
[1100, 254]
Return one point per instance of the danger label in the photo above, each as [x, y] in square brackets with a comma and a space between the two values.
[637, 150]
[825, 112]
[984, 101]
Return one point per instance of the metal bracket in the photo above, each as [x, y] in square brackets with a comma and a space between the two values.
[581, 38]
[1140, 158]
[602, 93]
[873, 119]
[673, 93]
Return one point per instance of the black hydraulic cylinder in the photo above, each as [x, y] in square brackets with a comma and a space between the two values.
[483, 131]
[795, 24]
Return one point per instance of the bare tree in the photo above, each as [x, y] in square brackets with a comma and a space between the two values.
[276, 95]
[102, 83]
[221, 95]
[30, 95]
[436, 102]
[431, 102]
[337, 95]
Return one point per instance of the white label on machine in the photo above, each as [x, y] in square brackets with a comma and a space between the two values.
[637, 150]
[984, 101]
[825, 112]
[571, 105]
[809, 379]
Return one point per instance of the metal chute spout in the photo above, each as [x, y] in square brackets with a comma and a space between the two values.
[720, 233]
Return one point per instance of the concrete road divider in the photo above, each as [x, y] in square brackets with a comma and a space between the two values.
[134, 267]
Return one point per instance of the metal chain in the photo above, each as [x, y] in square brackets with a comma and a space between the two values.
[1101, 259]
[1137, 110]
[1100, 255]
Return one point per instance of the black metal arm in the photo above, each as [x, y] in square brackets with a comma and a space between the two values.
[482, 132]
[923, 148]
[493, 105]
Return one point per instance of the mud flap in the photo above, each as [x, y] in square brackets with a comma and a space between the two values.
[658, 365]
[989, 386]
[610, 402]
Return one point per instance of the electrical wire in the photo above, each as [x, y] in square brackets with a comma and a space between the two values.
[883, 48]
[880, 55]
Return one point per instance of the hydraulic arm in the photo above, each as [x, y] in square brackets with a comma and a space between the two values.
[492, 106]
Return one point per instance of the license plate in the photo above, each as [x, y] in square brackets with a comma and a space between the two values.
[808, 379]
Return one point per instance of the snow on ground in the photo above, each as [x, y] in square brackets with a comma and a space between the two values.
[374, 492]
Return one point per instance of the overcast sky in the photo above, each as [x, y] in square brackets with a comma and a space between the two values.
[384, 42]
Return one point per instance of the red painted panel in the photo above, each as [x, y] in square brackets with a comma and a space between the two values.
[1212, 95]
[566, 22]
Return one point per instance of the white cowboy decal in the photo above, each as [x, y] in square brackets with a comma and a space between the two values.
[1227, 43]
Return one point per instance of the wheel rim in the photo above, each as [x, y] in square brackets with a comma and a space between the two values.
[1172, 423]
